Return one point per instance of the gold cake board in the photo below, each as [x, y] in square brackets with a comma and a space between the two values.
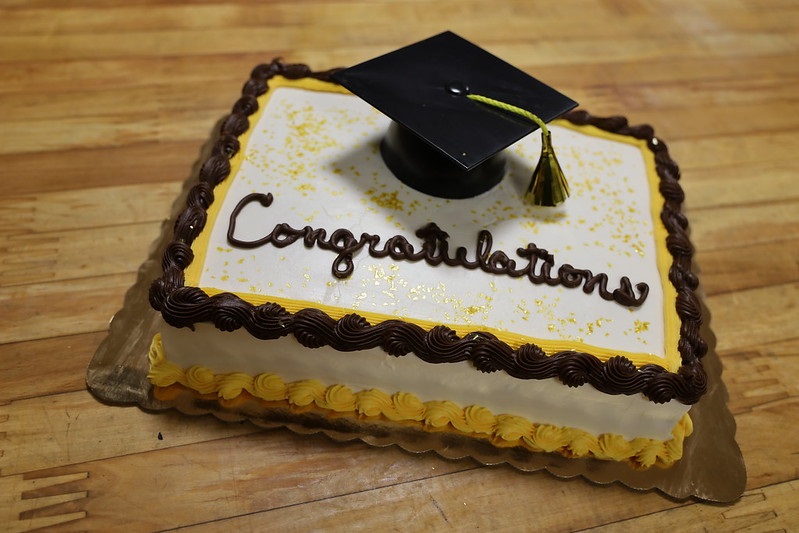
[711, 469]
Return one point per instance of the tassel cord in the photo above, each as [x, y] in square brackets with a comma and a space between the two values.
[511, 108]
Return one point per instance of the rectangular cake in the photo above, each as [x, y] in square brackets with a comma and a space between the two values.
[305, 277]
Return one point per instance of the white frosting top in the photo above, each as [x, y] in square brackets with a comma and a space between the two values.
[318, 154]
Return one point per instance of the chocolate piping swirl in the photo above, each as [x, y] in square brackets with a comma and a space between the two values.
[184, 306]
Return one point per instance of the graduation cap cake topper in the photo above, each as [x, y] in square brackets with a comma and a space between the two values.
[454, 108]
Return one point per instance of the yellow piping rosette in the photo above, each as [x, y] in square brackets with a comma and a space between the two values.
[269, 387]
[407, 407]
[441, 413]
[234, 384]
[373, 402]
[479, 419]
[305, 392]
[339, 398]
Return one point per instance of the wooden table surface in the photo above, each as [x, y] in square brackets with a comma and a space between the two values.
[105, 106]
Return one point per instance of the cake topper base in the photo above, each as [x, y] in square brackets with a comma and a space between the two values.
[422, 167]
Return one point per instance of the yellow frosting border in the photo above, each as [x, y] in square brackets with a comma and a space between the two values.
[502, 430]
[670, 362]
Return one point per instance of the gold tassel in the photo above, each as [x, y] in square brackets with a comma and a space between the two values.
[548, 186]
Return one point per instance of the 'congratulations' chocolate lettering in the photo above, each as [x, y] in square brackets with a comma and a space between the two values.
[537, 263]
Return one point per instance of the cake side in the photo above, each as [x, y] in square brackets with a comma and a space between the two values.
[463, 413]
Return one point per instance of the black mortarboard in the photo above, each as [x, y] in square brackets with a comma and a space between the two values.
[442, 142]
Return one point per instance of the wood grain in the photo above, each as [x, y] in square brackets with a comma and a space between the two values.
[105, 110]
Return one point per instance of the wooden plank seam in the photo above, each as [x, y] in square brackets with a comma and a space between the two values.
[14, 502]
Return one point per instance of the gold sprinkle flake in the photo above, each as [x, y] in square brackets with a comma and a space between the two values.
[591, 327]
[304, 188]
[641, 326]
[387, 200]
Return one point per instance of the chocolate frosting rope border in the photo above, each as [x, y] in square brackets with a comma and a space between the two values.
[183, 306]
